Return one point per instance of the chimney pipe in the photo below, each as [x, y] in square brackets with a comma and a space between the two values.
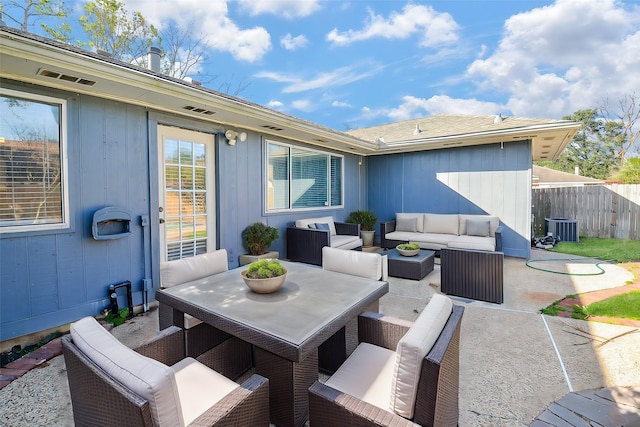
[577, 170]
[153, 59]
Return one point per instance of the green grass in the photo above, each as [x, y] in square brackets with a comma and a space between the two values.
[624, 305]
[616, 250]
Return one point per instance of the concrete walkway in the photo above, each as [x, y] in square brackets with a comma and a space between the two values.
[516, 363]
[517, 367]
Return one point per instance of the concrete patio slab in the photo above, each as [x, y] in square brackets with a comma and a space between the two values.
[514, 363]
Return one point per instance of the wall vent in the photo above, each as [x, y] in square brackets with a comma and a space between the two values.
[272, 127]
[199, 110]
[65, 77]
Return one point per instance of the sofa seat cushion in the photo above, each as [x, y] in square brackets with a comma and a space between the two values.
[153, 381]
[199, 387]
[412, 349]
[441, 223]
[304, 223]
[429, 241]
[344, 241]
[473, 242]
[367, 375]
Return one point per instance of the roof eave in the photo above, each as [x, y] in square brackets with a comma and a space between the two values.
[143, 87]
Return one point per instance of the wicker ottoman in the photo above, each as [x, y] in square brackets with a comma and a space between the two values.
[410, 267]
[472, 274]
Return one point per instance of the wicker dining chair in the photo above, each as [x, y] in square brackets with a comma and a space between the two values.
[153, 385]
[398, 375]
[369, 265]
[200, 337]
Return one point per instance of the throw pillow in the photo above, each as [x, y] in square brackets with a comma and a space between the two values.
[478, 227]
[322, 227]
[407, 224]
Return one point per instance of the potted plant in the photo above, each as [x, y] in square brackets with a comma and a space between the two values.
[264, 276]
[257, 238]
[408, 249]
[367, 221]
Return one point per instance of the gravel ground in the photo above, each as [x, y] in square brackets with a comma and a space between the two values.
[41, 396]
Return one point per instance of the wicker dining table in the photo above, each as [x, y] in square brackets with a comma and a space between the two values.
[285, 327]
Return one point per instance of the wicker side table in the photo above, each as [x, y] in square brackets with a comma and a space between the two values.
[472, 274]
[410, 267]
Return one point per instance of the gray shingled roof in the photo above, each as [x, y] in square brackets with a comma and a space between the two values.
[446, 125]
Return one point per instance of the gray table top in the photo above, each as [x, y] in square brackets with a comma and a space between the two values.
[310, 300]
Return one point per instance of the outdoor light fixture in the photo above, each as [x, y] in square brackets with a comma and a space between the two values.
[232, 136]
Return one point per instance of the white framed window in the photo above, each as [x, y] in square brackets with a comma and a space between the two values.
[300, 178]
[33, 162]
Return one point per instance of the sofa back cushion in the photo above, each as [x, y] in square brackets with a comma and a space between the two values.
[148, 378]
[304, 223]
[412, 349]
[419, 217]
[196, 267]
[407, 224]
[494, 222]
[356, 263]
[441, 224]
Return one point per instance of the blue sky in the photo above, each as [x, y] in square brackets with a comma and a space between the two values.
[353, 64]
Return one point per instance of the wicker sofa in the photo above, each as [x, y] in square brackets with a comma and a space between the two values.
[307, 237]
[437, 231]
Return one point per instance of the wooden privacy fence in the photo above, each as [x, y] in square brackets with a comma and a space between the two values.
[605, 211]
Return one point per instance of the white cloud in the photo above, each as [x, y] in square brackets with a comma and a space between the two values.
[285, 8]
[338, 77]
[293, 43]
[567, 56]
[341, 104]
[441, 104]
[435, 28]
[302, 104]
[207, 20]
[277, 105]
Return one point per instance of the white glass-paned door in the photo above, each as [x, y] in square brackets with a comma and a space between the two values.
[187, 209]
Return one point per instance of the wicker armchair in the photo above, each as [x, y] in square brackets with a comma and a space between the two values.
[305, 244]
[435, 398]
[99, 399]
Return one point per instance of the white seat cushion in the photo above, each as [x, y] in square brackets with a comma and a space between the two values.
[150, 379]
[304, 223]
[344, 241]
[364, 264]
[473, 242]
[199, 387]
[411, 350]
[367, 375]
